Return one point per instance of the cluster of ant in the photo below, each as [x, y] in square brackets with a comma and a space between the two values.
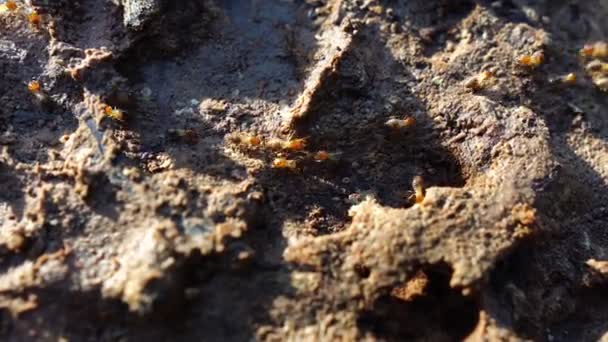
[281, 147]
[298, 145]
[487, 78]
[597, 67]
[12, 7]
[536, 59]
[533, 61]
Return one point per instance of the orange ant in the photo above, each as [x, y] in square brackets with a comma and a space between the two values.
[394, 123]
[532, 61]
[114, 113]
[598, 49]
[283, 163]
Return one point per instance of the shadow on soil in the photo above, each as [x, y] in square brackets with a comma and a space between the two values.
[540, 285]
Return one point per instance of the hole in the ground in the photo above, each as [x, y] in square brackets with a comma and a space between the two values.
[425, 308]
[362, 271]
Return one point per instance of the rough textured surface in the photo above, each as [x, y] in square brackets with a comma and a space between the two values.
[171, 223]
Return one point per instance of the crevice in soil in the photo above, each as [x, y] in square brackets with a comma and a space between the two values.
[430, 310]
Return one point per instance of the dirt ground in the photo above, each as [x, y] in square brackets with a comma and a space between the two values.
[236, 170]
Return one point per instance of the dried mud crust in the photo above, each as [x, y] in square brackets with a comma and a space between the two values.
[161, 226]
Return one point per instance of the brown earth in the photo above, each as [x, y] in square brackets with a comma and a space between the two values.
[168, 221]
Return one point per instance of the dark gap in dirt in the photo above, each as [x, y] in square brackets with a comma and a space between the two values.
[437, 313]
